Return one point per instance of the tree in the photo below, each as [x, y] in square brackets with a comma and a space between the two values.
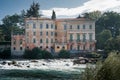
[112, 44]
[37, 53]
[1, 35]
[86, 15]
[53, 15]
[64, 54]
[95, 15]
[22, 18]
[5, 54]
[108, 70]
[33, 10]
[46, 55]
[109, 21]
[10, 25]
[102, 38]
[78, 17]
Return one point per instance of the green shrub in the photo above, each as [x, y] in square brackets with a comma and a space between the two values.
[46, 55]
[108, 70]
[64, 54]
[5, 54]
[37, 53]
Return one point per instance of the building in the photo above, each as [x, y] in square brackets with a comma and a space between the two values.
[54, 35]
[75, 34]
[17, 44]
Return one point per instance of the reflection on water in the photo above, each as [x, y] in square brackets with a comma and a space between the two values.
[39, 75]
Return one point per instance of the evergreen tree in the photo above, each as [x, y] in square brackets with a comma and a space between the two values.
[78, 17]
[53, 15]
[33, 10]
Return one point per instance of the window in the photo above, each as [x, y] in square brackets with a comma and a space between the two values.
[51, 33]
[34, 40]
[14, 42]
[27, 40]
[14, 48]
[40, 46]
[41, 26]
[51, 40]
[27, 26]
[58, 47]
[34, 33]
[70, 26]
[27, 47]
[46, 46]
[71, 47]
[83, 26]
[34, 26]
[90, 36]
[55, 33]
[20, 41]
[27, 33]
[78, 47]
[55, 26]
[90, 47]
[51, 26]
[78, 37]
[84, 37]
[47, 26]
[63, 47]
[83, 47]
[46, 33]
[71, 37]
[41, 41]
[20, 48]
[47, 40]
[78, 27]
[65, 27]
[90, 26]
[40, 33]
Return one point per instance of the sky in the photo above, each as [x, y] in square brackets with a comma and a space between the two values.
[63, 8]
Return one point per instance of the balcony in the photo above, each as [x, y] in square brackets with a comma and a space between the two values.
[83, 41]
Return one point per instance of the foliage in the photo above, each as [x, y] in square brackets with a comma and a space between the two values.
[37, 53]
[90, 71]
[64, 54]
[1, 35]
[13, 23]
[95, 15]
[102, 38]
[79, 17]
[10, 25]
[110, 21]
[33, 10]
[46, 55]
[112, 44]
[5, 54]
[53, 15]
[108, 70]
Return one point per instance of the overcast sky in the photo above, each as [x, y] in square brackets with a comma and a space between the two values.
[63, 8]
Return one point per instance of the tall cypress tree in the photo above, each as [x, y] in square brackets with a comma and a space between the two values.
[53, 15]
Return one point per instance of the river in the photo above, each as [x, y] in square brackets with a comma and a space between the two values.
[40, 70]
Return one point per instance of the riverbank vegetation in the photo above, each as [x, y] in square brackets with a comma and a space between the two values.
[107, 70]
[37, 53]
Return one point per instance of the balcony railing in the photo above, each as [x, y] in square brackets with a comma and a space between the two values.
[82, 41]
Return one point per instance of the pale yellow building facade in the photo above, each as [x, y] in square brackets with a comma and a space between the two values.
[68, 34]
